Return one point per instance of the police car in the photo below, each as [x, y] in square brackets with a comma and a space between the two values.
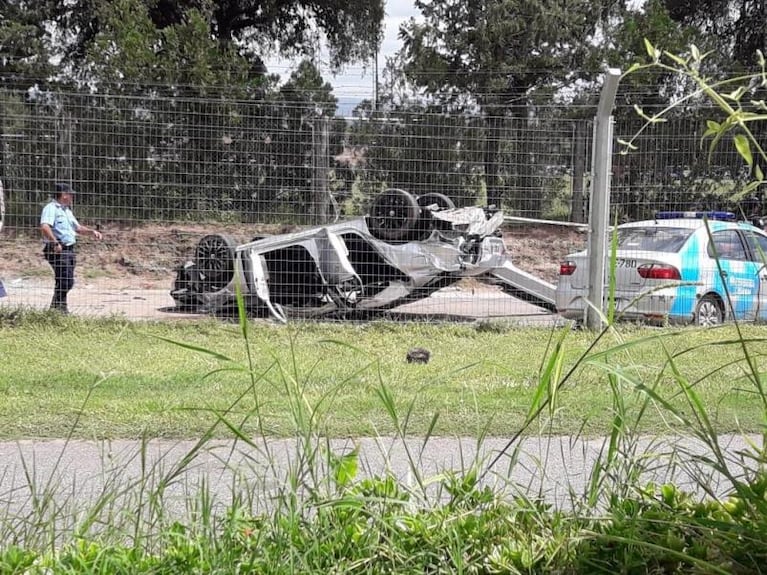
[673, 269]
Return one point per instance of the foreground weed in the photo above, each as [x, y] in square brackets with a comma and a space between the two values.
[317, 513]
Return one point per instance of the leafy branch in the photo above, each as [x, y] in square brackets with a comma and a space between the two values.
[727, 95]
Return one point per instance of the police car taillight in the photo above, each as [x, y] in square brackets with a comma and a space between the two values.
[658, 272]
[567, 268]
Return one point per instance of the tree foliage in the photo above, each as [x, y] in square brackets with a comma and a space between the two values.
[627, 30]
[24, 41]
[496, 50]
[129, 50]
[251, 28]
[734, 115]
[416, 148]
[460, 104]
[300, 142]
[673, 176]
[736, 27]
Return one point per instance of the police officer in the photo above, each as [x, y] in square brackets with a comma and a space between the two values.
[60, 229]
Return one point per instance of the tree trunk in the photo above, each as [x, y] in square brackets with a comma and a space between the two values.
[492, 167]
[577, 211]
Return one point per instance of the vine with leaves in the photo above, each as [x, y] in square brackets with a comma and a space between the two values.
[729, 95]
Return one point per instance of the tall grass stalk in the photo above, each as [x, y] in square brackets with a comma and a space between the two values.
[314, 510]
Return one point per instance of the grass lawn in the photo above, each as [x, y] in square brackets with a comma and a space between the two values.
[115, 379]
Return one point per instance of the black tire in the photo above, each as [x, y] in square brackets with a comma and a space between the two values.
[214, 258]
[393, 215]
[427, 223]
[442, 201]
[709, 312]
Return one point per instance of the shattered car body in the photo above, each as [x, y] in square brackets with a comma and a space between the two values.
[345, 268]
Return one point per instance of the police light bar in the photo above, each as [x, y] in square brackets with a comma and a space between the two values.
[713, 215]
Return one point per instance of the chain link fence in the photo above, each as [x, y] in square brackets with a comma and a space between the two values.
[182, 167]
[177, 159]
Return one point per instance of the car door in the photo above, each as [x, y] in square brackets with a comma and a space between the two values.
[739, 273]
[758, 244]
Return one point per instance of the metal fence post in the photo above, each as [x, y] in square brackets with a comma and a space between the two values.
[599, 209]
[2, 206]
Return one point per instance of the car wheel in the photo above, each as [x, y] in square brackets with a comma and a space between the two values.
[442, 201]
[427, 223]
[214, 257]
[708, 312]
[393, 215]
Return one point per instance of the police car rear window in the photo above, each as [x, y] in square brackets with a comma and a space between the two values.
[653, 239]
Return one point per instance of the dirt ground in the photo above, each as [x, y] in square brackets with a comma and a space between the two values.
[145, 256]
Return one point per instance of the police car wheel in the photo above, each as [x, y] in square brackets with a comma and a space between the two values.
[708, 312]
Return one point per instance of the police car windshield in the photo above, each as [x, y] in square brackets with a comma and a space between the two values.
[653, 239]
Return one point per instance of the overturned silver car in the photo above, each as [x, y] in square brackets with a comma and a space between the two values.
[405, 249]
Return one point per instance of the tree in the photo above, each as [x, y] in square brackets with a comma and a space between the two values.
[24, 42]
[299, 143]
[736, 26]
[635, 176]
[252, 28]
[496, 51]
[672, 175]
[737, 37]
[129, 50]
[415, 147]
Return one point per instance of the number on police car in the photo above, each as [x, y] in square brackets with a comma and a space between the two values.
[624, 263]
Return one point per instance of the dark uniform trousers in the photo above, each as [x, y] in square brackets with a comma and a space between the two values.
[63, 265]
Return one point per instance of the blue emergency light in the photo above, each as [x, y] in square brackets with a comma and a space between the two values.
[712, 215]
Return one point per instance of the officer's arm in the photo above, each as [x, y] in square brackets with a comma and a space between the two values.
[47, 232]
[86, 230]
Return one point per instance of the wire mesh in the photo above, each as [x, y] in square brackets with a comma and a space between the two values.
[671, 265]
[159, 173]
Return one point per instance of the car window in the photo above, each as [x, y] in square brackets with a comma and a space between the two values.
[729, 246]
[653, 238]
[758, 244]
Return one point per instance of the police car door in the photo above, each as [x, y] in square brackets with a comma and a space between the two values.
[758, 244]
[739, 273]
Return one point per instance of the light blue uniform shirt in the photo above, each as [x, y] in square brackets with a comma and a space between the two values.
[62, 221]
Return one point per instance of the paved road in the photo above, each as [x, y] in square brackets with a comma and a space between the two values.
[78, 473]
[94, 299]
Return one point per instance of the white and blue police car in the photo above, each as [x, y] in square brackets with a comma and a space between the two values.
[681, 267]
